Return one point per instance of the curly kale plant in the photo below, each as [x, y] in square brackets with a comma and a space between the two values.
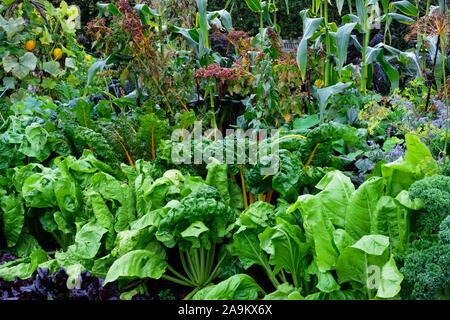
[434, 192]
[427, 267]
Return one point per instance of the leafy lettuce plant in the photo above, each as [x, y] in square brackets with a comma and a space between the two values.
[351, 230]
[279, 247]
[196, 226]
[174, 211]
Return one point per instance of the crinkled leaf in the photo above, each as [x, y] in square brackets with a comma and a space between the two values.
[237, 287]
[137, 264]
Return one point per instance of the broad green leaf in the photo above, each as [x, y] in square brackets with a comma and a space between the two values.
[203, 25]
[402, 173]
[96, 67]
[342, 37]
[53, 68]
[310, 25]
[146, 14]
[324, 93]
[39, 256]
[404, 199]
[225, 18]
[405, 7]
[391, 279]
[392, 73]
[285, 179]
[218, 178]
[88, 240]
[137, 264]
[256, 216]
[362, 206]
[22, 67]
[287, 250]
[372, 244]
[112, 189]
[22, 268]
[319, 231]
[356, 262]
[306, 123]
[392, 220]
[153, 218]
[35, 143]
[400, 18]
[237, 287]
[131, 240]
[342, 239]
[236, 196]
[37, 189]
[12, 26]
[193, 232]
[13, 217]
[337, 189]
[103, 215]
[25, 247]
[247, 248]
[9, 82]
[326, 282]
[107, 8]
[254, 5]
[284, 292]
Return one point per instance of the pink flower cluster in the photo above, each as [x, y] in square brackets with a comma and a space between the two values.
[216, 71]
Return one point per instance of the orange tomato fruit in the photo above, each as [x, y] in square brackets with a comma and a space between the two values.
[57, 53]
[30, 45]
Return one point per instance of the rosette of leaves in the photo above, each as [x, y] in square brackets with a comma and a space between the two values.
[356, 234]
[25, 138]
[197, 225]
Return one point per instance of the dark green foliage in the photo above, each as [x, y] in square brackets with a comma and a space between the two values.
[434, 191]
[204, 206]
[446, 170]
[99, 145]
[444, 231]
[152, 130]
[427, 267]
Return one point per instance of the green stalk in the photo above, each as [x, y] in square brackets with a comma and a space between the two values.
[160, 25]
[185, 267]
[364, 67]
[180, 276]
[283, 276]
[272, 279]
[178, 281]
[193, 267]
[203, 274]
[420, 38]
[192, 293]
[211, 97]
[274, 14]
[210, 259]
[216, 271]
[446, 95]
[59, 240]
[386, 30]
[198, 264]
[306, 287]
[261, 29]
[328, 43]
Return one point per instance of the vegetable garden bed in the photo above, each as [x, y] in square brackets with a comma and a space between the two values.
[152, 156]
